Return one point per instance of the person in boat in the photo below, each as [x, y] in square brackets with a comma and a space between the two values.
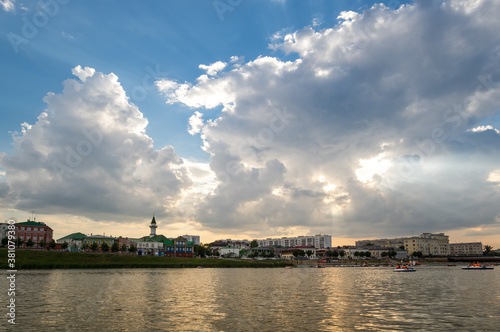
[397, 266]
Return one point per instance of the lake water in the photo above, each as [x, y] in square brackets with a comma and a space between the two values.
[435, 298]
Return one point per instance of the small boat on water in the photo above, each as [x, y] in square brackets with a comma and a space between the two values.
[404, 268]
[200, 267]
[288, 267]
[320, 266]
[476, 266]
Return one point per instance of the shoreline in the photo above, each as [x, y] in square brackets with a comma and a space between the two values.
[47, 259]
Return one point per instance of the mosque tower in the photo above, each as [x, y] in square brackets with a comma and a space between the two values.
[153, 227]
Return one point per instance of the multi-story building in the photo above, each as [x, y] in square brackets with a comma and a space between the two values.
[385, 243]
[4, 228]
[230, 251]
[99, 240]
[35, 231]
[192, 238]
[179, 247]
[430, 244]
[466, 249]
[319, 241]
[127, 242]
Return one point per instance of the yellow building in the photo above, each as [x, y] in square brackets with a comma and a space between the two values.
[429, 244]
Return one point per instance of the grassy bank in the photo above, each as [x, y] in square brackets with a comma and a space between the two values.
[44, 259]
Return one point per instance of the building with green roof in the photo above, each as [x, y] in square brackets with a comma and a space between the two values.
[74, 241]
[37, 232]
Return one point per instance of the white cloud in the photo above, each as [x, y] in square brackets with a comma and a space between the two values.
[494, 176]
[88, 154]
[480, 129]
[82, 74]
[214, 68]
[195, 123]
[7, 5]
[400, 84]
[370, 167]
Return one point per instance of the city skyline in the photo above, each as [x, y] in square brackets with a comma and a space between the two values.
[359, 119]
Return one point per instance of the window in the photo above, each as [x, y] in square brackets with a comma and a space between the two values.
[28, 228]
[35, 229]
[99, 242]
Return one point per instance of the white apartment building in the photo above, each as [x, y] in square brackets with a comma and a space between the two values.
[319, 241]
[435, 244]
[4, 228]
[192, 238]
[466, 249]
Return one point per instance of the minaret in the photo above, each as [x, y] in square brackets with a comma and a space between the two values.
[153, 227]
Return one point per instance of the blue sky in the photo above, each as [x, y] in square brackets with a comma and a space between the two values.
[171, 38]
[353, 118]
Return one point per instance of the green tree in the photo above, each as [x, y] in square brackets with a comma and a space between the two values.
[392, 254]
[369, 244]
[254, 244]
[361, 254]
[52, 244]
[201, 250]
[487, 249]
[64, 245]
[243, 252]
[115, 247]
[104, 246]
[341, 253]
[368, 254]
[42, 243]
[19, 242]
[298, 252]
[384, 254]
[30, 243]
[309, 253]
[356, 253]
[94, 246]
[84, 246]
[123, 248]
[418, 254]
[402, 247]
[208, 249]
[329, 253]
[5, 241]
[132, 249]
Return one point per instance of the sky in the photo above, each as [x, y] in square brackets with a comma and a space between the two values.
[251, 119]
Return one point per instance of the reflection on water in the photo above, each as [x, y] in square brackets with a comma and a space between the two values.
[305, 299]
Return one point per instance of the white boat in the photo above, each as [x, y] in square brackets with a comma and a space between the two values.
[476, 267]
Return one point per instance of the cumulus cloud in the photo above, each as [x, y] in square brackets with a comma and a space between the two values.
[88, 154]
[365, 133]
